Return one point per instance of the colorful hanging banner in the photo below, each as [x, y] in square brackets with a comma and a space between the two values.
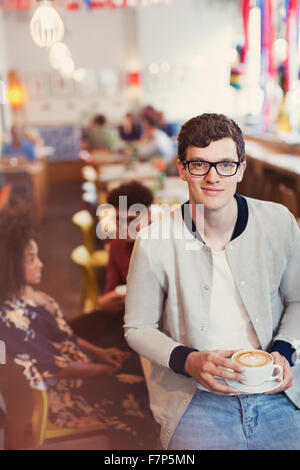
[72, 5]
[292, 21]
[16, 4]
[268, 69]
[245, 14]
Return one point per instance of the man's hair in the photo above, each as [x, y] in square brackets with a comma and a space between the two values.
[100, 120]
[16, 231]
[201, 130]
[151, 121]
[136, 193]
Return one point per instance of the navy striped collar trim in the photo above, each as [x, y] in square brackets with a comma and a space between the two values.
[241, 223]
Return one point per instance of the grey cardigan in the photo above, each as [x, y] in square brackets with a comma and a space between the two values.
[168, 296]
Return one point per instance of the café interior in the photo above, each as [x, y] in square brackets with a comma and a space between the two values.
[93, 95]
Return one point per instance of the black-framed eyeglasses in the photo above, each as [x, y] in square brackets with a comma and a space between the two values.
[202, 168]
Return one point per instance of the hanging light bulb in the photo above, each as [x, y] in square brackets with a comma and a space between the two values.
[46, 26]
[57, 53]
[67, 66]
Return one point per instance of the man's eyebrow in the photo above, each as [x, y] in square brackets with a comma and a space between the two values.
[229, 159]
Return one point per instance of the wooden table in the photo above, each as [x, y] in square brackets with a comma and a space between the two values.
[101, 158]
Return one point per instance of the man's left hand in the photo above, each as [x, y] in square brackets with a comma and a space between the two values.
[287, 375]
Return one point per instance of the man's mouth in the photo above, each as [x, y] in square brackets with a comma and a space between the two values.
[212, 191]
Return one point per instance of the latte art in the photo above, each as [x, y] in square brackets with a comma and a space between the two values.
[253, 358]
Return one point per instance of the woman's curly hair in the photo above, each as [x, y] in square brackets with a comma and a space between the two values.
[16, 230]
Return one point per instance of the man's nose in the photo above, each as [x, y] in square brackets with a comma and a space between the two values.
[212, 175]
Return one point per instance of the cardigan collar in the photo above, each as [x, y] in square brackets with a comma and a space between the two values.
[240, 225]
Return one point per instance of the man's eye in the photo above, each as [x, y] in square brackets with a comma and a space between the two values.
[227, 164]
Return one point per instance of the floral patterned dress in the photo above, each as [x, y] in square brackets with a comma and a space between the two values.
[42, 343]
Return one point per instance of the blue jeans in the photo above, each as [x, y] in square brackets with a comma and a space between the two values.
[244, 422]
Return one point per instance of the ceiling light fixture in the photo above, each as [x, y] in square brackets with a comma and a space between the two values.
[46, 26]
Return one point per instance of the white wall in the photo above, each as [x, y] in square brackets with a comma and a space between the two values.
[192, 36]
[99, 41]
[5, 117]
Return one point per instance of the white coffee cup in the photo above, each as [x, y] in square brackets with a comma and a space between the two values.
[258, 366]
[121, 290]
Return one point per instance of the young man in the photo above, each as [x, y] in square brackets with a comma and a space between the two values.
[230, 282]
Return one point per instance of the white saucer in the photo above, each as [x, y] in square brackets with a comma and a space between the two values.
[267, 386]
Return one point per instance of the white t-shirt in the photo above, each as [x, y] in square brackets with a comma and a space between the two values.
[230, 326]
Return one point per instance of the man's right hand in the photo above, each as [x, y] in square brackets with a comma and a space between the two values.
[111, 302]
[205, 366]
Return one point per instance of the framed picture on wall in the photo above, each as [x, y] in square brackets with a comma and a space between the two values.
[109, 82]
[88, 84]
[37, 85]
[62, 87]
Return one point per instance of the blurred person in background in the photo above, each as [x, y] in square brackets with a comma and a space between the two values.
[163, 124]
[129, 130]
[108, 320]
[155, 142]
[86, 384]
[19, 146]
[100, 135]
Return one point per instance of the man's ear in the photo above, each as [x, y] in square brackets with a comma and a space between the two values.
[241, 170]
[181, 170]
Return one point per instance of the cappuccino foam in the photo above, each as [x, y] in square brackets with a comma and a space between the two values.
[253, 358]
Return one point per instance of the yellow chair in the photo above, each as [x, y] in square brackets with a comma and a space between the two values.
[85, 222]
[89, 173]
[28, 423]
[89, 288]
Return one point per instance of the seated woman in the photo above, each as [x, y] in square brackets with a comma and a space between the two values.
[85, 383]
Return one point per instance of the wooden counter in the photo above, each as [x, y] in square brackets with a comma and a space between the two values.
[272, 176]
[274, 142]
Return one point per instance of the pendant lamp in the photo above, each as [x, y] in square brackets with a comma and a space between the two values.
[46, 26]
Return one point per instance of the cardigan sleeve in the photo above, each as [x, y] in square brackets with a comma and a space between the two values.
[146, 292]
[289, 328]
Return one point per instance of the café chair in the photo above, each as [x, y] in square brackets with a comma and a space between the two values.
[27, 418]
[85, 222]
[89, 287]
[89, 173]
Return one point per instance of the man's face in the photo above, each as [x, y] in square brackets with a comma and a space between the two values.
[212, 190]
